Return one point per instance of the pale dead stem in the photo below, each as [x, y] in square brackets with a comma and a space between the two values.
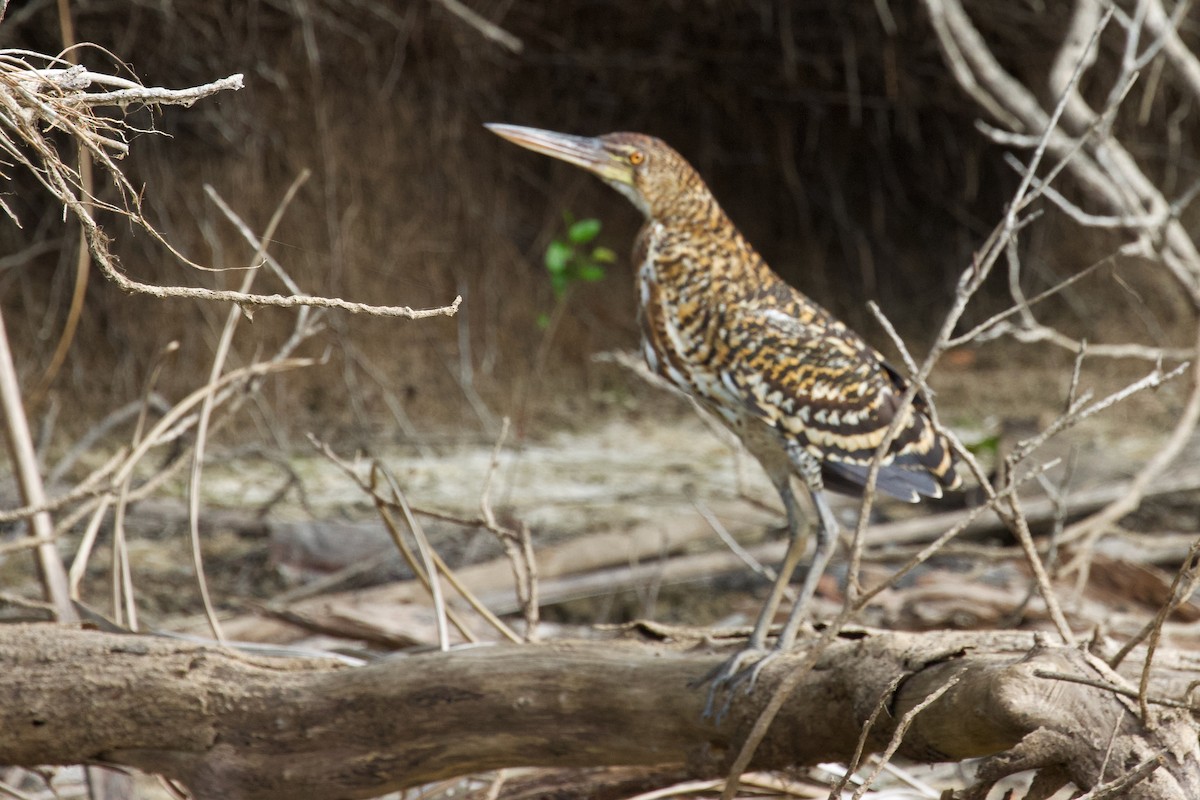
[122, 578]
[26, 471]
[428, 565]
[489, 30]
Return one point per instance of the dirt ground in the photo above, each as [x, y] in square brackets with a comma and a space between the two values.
[271, 529]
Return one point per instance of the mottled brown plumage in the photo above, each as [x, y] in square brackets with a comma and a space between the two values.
[805, 394]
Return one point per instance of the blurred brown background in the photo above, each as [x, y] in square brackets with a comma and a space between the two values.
[831, 132]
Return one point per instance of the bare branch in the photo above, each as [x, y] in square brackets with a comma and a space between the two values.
[122, 98]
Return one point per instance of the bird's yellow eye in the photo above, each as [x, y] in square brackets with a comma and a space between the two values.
[637, 157]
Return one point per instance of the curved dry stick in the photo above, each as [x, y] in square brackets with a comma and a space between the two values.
[186, 404]
[206, 407]
[82, 260]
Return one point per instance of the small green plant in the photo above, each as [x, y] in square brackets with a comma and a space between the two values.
[573, 258]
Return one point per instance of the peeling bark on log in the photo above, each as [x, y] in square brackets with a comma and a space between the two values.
[228, 725]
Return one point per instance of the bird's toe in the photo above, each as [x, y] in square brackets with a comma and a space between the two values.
[725, 680]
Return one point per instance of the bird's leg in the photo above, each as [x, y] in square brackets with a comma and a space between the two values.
[827, 536]
[797, 541]
[755, 648]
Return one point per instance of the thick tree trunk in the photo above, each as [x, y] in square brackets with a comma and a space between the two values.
[228, 725]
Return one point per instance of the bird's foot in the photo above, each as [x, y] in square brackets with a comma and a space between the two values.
[740, 669]
[743, 669]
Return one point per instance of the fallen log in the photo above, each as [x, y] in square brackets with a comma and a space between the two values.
[230, 725]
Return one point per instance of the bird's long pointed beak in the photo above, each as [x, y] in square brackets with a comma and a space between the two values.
[582, 151]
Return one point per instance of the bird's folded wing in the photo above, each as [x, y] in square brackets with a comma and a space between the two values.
[821, 386]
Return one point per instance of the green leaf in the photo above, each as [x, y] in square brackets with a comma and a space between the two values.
[543, 321]
[604, 255]
[584, 231]
[988, 444]
[559, 281]
[591, 273]
[558, 255]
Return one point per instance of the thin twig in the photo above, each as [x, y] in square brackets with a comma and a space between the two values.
[1108, 686]
[91, 486]
[122, 578]
[1020, 525]
[901, 729]
[232, 378]
[928, 551]
[1163, 457]
[417, 567]
[757, 567]
[885, 699]
[518, 545]
[1181, 591]
[97, 432]
[1177, 599]
[983, 327]
[423, 547]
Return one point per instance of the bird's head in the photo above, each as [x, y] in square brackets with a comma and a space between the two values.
[655, 178]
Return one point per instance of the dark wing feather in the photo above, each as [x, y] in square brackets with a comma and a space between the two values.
[893, 480]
